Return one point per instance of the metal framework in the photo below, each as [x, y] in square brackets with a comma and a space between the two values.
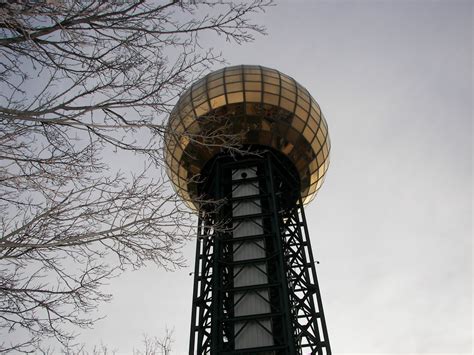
[255, 284]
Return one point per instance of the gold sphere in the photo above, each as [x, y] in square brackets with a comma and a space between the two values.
[248, 105]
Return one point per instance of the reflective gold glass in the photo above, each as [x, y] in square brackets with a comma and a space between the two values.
[202, 109]
[215, 83]
[217, 91]
[234, 87]
[312, 124]
[301, 112]
[298, 124]
[271, 80]
[273, 89]
[253, 86]
[274, 100]
[270, 99]
[253, 77]
[218, 101]
[287, 104]
[232, 79]
[253, 96]
[235, 97]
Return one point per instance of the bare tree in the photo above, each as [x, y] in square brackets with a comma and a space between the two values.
[157, 346]
[80, 80]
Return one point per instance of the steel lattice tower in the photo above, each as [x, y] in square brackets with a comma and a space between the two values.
[246, 147]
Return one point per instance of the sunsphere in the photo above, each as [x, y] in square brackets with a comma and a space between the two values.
[259, 106]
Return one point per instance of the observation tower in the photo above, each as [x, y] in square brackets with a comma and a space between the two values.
[247, 147]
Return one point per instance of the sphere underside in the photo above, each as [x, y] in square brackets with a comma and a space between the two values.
[246, 106]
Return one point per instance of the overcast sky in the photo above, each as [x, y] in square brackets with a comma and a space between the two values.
[392, 225]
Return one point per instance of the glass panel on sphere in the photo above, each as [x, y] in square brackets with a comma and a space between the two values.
[316, 145]
[252, 69]
[290, 95]
[321, 158]
[233, 70]
[173, 122]
[182, 184]
[176, 125]
[193, 128]
[183, 141]
[183, 173]
[301, 113]
[308, 135]
[187, 120]
[324, 121]
[184, 109]
[215, 75]
[271, 80]
[271, 99]
[168, 158]
[184, 101]
[253, 86]
[318, 184]
[235, 97]
[297, 124]
[289, 86]
[286, 78]
[234, 87]
[174, 165]
[326, 165]
[186, 196]
[218, 101]
[287, 104]
[217, 91]
[325, 150]
[273, 89]
[199, 100]
[253, 77]
[303, 94]
[314, 178]
[315, 107]
[321, 137]
[202, 109]
[174, 178]
[198, 90]
[178, 152]
[323, 127]
[170, 142]
[313, 166]
[312, 124]
[186, 93]
[304, 104]
[271, 73]
[315, 117]
[215, 83]
[251, 96]
[233, 79]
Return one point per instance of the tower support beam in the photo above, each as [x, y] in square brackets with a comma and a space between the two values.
[255, 285]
